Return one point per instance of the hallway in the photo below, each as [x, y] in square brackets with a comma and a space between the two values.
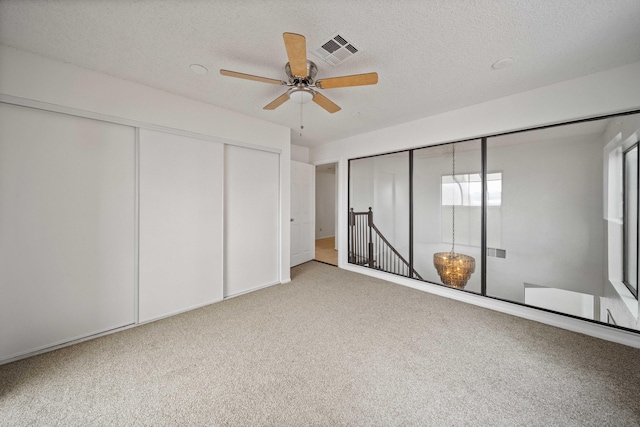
[325, 251]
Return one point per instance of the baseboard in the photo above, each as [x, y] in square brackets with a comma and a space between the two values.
[180, 311]
[252, 290]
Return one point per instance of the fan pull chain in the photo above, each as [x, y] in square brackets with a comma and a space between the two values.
[301, 126]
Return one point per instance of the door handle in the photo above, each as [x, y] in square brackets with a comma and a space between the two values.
[291, 220]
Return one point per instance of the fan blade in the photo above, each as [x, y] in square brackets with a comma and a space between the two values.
[277, 102]
[325, 103]
[297, 52]
[251, 77]
[344, 81]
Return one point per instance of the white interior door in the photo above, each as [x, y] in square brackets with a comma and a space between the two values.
[302, 213]
[181, 184]
[67, 227]
[251, 219]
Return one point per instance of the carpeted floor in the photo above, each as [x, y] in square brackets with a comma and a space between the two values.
[330, 348]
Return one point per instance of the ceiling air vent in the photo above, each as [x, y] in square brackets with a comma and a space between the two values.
[336, 50]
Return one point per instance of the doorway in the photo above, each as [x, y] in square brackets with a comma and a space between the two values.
[326, 229]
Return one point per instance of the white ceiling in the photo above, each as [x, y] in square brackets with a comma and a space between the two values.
[432, 56]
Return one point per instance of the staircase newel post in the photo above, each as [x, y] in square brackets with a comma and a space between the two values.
[370, 223]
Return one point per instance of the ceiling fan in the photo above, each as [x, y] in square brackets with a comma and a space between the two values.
[301, 73]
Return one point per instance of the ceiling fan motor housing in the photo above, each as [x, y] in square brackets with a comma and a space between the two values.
[312, 71]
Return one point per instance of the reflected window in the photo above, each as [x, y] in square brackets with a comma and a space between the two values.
[630, 219]
[466, 189]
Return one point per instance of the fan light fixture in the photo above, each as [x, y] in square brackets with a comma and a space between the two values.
[453, 268]
[301, 95]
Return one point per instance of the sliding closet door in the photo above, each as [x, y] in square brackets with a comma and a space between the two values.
[180, 223]
[67, 211]
[251, 219]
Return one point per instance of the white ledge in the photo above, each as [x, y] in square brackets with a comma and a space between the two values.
[626, 296]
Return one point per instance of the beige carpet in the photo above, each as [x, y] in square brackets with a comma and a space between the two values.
[330, 348]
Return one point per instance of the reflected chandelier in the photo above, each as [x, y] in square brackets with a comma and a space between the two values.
[453, 268]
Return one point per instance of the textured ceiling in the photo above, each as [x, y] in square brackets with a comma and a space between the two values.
[432, 56]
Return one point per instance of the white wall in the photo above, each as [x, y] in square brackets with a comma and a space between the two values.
[606, 92]
[34, 77]
[601, 93]
[391, 200]
[299, 153]
[552, 227]
[382, 183]
[569, 302]
[325, 204]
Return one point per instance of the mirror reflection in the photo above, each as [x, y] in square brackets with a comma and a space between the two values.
[447, 203]
[569, 222]
[379, 213]
[561, 217]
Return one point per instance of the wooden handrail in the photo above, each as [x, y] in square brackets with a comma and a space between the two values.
[359, 243]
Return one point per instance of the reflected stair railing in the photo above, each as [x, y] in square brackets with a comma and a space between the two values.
[368, 247]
